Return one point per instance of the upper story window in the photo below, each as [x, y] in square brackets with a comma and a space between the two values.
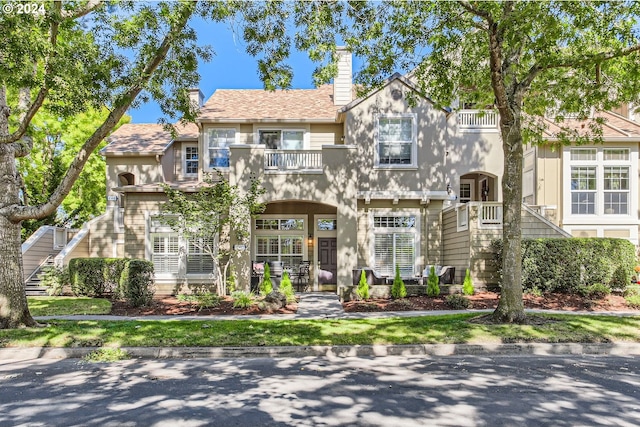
[289, 139]
[396, 140]
[600, 181]
[191, 160]
[218, 141]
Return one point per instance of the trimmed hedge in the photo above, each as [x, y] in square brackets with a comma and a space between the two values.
[129, 279]
[136, 282]
[95, 277]
[569, 264]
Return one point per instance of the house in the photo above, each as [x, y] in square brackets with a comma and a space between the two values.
[385, 180]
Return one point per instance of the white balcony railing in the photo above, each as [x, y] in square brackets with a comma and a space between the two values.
[291, 160]
[477, 119]
[490, 213]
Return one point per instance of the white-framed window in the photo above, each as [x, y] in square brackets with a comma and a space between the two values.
[280, 239]
[395, 238]
[165, 252]
[466, 193]
[199, 256]
[191, 160]
[282, 139]
[217, 143]
[600, 181]
[396, 140]
[462, 216]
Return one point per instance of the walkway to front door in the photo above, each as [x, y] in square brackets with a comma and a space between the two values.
[319, 305]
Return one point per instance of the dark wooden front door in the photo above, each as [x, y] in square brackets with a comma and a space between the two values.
[328, 257]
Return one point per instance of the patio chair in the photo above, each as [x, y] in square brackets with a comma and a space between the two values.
[446, 274]
[300, 276]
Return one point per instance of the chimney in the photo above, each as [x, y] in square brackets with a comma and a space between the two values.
[196, 97]
[342, 82]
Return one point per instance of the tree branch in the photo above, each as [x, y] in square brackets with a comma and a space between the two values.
[20, 213]
[82, 11]
[473, 10]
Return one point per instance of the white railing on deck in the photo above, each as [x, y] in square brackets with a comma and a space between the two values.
[286, 160]
[477, 119]
[490, 213]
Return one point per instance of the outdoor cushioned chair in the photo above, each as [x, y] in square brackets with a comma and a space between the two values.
[373, 277]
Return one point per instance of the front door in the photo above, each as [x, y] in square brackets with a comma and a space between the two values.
[328, 257]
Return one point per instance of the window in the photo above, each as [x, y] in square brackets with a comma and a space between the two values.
[282, 139]
[191, 160]
[327, 224]
[165, 253]
[280, 224]
[600, 181]
[285, 248]
[466, 193]
[394, 244]
[218, 147]
[199, 258]
[583, 190]
[396, 140]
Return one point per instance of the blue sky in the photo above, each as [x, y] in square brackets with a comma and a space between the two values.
[230, 68]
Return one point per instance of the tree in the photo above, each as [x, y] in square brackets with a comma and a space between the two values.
[398, 289]
[362, 290]
[66, 59]
[433, 283]
[523, 58]
[467, 284]
[55, 142]
[211, 217]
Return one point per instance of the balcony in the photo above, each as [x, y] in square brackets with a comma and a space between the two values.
[292, 160]
[477, 119]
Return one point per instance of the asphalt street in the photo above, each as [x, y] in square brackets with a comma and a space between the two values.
[504, 390]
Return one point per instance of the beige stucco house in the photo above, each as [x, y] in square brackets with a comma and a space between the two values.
[377, 181]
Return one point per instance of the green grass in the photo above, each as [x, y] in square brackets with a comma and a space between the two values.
[57, 306]
[414, 330]
[106, 354]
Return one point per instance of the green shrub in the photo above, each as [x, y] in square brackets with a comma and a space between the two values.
[567, 264]
[54, 279]
[457, 302]
[266, 287]
[632, 290]
[467, 284]
[633, 301]
[287, 288]
[242, 299]
[595, 291]
[363, 287]
[201, 299]
[95, 277]
[398, 289]
[136, 282]
[433, 283]
[535, 291]
[232, 280]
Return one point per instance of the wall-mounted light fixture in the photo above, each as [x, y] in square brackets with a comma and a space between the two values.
[449, 190]
[342, 138]
[310, 241]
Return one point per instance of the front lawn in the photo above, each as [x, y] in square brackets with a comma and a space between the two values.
[58, 306]
[413, 330]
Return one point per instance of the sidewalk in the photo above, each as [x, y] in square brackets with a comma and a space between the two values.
[327, 306]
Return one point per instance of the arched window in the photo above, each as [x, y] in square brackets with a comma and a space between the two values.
[127, 178]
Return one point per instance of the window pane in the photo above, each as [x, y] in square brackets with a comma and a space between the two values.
[616, 203]
[615, 154]
[292, 140]
[383, 254]
[405, 253]
[583, 154]
[291, 224]
[327, 224]
[219, 141]
[583, 178]
[395, 140]
[583, 203]
[394, 221]
[270, 138]
[616, 178]
[191, 160]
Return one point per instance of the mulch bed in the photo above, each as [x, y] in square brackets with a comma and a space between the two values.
[482, 300]
[172, 306]
[489, 300]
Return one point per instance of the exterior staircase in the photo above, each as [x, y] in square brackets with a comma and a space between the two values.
[33, 285]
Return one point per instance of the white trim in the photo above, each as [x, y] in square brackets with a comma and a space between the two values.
[600, 218]
[204, 157]
[316, 234]
[414, 142]
[184, 159]
[417, 231]
[472, 192]
[304, 232]
[462, 217]
[306, 133]
[600, 229]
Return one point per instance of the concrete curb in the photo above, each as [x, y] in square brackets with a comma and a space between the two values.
[440, 350]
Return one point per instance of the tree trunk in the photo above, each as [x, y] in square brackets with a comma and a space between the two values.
[510, 307]
[14, 311]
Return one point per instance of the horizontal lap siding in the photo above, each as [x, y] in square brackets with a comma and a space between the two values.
[137, 207]
[456, 243]
[37, 253]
